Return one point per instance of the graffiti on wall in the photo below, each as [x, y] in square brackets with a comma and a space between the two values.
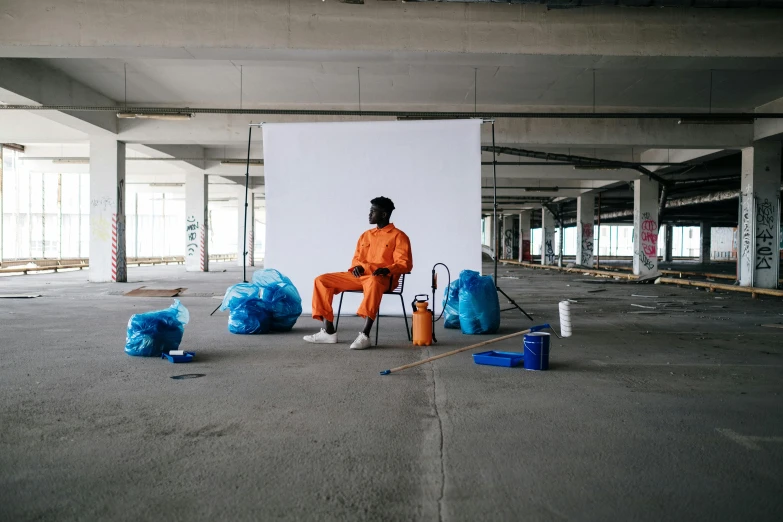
[765, 225]
[104, 204]
[192, 228]
[549, 250]
[648, 242]
[100, 228]
[746, 234]
[587, 244]
[508, 244]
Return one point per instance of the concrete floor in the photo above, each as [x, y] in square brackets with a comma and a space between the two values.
[674, 416]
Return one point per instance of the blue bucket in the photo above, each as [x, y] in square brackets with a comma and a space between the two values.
[536, 351]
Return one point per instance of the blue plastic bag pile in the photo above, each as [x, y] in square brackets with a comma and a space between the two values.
[152, 333]
[471, 304]
[270, 303]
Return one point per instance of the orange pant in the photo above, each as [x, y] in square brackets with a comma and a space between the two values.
[328, 285]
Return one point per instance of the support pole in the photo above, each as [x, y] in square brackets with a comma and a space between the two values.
[60, 216]
[495, 204]
[514, 305]
[2, 216]
[247, 183]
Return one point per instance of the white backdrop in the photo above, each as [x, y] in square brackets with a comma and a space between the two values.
[320, 178]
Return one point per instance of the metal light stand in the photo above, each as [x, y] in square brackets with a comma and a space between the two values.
[247, 183]
[247, 189]
[514, 305]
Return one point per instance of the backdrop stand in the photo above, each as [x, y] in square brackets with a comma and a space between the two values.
[247, 188]
[514, 305]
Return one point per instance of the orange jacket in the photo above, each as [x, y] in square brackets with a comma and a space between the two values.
[387, 247]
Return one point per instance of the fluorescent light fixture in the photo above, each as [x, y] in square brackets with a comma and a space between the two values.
[71, 161]
[14, 146]
[166, 184]
[712, 120]
[241, 161]
[526, 189]
[170, 116]
[596, 167]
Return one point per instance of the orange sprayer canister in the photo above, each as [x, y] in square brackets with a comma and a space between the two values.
[422, 322]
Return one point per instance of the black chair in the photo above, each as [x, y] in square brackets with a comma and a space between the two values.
[390, 291]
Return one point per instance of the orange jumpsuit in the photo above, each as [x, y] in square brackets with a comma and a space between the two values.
[386, 247]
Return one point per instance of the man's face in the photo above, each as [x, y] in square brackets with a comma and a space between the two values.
[376, 214]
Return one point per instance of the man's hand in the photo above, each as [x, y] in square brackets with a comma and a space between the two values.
[357, 271]
[382, 272]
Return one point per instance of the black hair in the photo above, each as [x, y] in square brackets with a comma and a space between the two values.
[383, 203]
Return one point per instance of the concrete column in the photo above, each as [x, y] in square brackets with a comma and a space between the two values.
[548, 253]
[489, 232]
[706, 243]
[107, 211]
[524, 236]
[668, 238]
[585, 216]
[196, 226]
[1, 204]
[645, 227]
[508, 237]
[250, 222]
[759, 218]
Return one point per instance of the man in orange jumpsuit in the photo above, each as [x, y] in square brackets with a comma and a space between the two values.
[382, 254]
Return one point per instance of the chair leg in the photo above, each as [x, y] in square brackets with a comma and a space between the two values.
[377, 326]
[338, 312]
[405, 315]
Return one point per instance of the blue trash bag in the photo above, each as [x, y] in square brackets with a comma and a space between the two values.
[451, 305]
[479, 308]
[247, 311]
[153, 333]
[249, 317]
[280, 297]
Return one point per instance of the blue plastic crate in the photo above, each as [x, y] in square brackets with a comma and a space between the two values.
[179, 358]
[493, 358]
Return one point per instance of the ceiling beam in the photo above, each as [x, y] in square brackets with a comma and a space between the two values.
[32, 82]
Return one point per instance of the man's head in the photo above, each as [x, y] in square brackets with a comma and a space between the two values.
[380, 211]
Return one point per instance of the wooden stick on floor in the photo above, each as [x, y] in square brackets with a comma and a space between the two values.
[471, 347]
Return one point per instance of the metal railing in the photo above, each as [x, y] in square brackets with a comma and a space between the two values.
[25, 266]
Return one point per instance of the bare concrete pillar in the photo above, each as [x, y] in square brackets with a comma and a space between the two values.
[668, 238]
[585, 216]
[196, 239]
[1, 204]
[645, 225]
[246, 223]
[705, 252]
[548, 253]
[759, 218]
[524, 236]
[107, 211]
[489, 233]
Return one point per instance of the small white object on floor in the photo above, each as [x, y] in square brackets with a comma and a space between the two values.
[177, 352]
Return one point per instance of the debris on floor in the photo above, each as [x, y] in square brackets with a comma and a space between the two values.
[143, 291]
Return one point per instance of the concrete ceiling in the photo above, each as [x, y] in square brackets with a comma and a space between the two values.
[388, 56]
[429, 80]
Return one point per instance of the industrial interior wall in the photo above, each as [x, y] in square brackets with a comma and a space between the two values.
[46, 215]
[320, 178]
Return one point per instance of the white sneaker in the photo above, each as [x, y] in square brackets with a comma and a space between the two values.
[321, 338]
[361, 342]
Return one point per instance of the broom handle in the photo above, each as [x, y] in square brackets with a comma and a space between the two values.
[471, 347]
